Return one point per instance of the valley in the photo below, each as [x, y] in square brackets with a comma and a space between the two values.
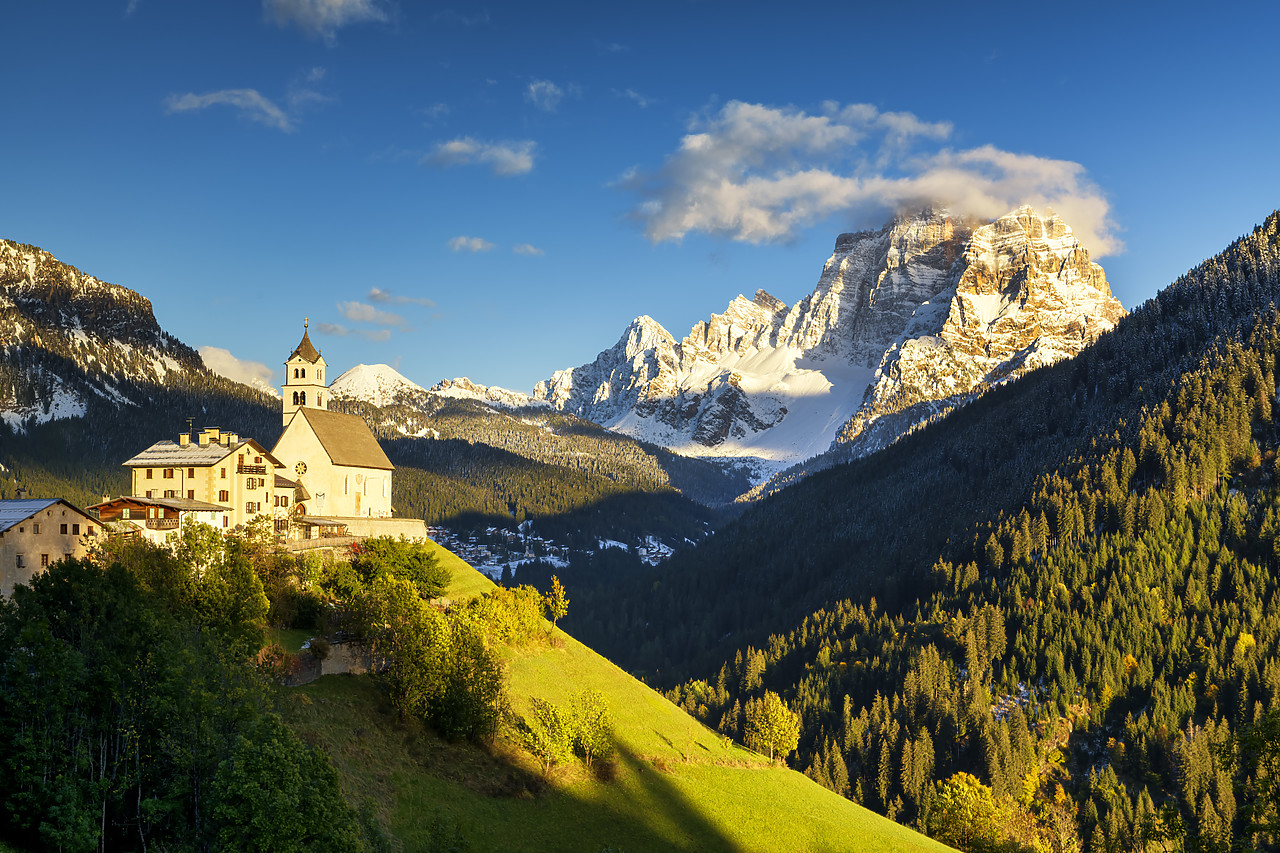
[927, 609]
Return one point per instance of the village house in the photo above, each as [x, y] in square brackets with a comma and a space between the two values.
[37, 533]
[237, 475]
[156, 519]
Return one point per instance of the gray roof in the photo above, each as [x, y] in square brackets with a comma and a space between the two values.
[15, 512]
[318, 521]
[170, 454]
[179, 504]
[347, 439]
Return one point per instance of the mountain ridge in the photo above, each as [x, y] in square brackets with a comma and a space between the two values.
[930, 309]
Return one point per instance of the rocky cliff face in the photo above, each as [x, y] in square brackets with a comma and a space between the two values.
[65, 335]
[1023, 294]
[904, 322]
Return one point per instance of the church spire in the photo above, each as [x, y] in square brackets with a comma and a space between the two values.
[305, 348]
[304, 386]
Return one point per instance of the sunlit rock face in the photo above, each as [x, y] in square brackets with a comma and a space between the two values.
[1023, 294]
[904, 322]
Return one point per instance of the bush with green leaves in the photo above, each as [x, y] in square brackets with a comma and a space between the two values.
[438, 667]
[412, 560]
[510, 616]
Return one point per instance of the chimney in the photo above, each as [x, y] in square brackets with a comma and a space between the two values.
[232, 439]
[184, 440]
[20, 494]
[207, 435]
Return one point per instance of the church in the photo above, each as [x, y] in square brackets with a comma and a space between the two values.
[339, 468]
[326, 476]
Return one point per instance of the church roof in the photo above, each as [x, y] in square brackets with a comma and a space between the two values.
[346, 438]
[305, 349]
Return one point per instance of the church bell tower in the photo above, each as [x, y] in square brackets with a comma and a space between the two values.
[304, 378]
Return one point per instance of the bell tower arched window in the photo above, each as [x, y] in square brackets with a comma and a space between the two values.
[302, 398]
[295, 398]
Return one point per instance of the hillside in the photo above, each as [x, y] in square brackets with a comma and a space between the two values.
[678, 785]
[1072, 578]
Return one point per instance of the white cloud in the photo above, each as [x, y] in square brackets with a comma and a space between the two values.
[435, 112]
[223, 363]
[323, 18]
[641, 101]
[337, 331]
[250, 103]
[544, 95]
[527, 249]
[470, 244]
[358, 312]
[759, 174]
[504, 158]
[255, 106]
[386, 297]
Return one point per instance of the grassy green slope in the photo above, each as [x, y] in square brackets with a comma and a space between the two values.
[677, 785]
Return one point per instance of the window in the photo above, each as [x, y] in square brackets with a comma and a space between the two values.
[63, 531]
[304, 376]
[151, 493]
[224, 473]
[90, 530]
[224, 521]
[191, 494]
[319, 399]
[35, 528]
[346, 484]
[257, 460]
[170, 493]
[302, 397]
[284, 500]
[168, 473]
[44, 561]
[224, 495]
[148, 473]
[22, 562]
[75, 530]
[191, 472]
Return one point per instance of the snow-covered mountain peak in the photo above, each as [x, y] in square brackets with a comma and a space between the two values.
[463, 388]
[928, 309]
[379, 384]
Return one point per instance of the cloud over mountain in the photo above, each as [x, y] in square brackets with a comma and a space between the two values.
[758, 174]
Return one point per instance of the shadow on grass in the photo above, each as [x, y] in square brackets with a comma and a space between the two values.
[650, 810]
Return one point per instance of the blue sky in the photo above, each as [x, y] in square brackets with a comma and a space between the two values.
[494, 190]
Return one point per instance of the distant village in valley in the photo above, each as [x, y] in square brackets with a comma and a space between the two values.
[325, 484]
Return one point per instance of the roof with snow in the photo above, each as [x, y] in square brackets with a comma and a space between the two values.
[305, 349]
[170, 454]
[14, 512]
[347, 439]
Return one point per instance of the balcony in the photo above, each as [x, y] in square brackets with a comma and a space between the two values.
[261, 470]
[162, 524]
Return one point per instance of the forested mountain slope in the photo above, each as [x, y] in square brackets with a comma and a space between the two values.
[1071, 581]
